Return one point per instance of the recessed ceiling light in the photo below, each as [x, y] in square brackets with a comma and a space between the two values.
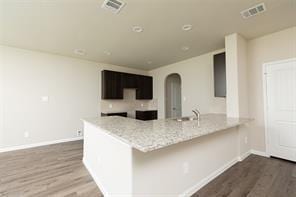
[79, 52]
[185, 48]
[187, 27]
[107, 53]
[138, 29]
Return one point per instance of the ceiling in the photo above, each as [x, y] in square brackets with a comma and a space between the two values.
[61, 26]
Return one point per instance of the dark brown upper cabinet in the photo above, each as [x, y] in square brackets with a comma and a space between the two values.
[113, 84]
[145, 88]
[129, 80]
[220, 75]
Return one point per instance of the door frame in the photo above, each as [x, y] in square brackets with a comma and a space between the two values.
[265, 65]
[165, 92]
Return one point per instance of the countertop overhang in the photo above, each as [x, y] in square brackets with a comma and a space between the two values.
[147, 136]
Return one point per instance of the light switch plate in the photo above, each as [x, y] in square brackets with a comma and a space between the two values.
[45, 99]
[186, 167]
[26, 134]
[246, 140]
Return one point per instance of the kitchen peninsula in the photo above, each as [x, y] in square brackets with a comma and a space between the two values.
[187, 154]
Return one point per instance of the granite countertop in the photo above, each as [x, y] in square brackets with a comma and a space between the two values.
[147, 136]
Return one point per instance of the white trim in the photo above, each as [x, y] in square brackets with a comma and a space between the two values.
[95, 178]
[265, 106]
[188, 192]
[260, 153]
[205, 181]
[21, 147]
[244, 156]
[215, 174]
[267, 140]
[280, 61]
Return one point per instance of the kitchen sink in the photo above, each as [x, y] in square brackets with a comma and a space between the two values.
[184, 119]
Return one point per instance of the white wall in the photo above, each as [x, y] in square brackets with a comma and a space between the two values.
[197, 85]
[232, 101]
[109, 161]
[1, 98]
[236, 76]
[243, 77]
[201, 157]
[237, 85]
[273, 47]
[25, 76]
[72, 85]
[197, 80]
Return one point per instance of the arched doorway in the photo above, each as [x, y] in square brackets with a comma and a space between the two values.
[173, 98]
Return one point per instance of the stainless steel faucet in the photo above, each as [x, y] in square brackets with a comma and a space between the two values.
[197, 114]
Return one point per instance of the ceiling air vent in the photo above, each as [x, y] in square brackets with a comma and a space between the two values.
[113, 5]
[253, 11]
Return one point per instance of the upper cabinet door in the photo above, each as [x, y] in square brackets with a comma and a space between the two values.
[129, 80]
[145, 88]
[220, 75]
[112, 86]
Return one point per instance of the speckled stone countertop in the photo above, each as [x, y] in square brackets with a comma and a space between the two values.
[152, 135]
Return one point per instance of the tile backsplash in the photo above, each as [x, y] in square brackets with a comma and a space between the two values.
[129, 104]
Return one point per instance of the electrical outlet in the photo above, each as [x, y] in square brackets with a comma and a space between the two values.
[110, 106]
[26, 134]
[246, 140]
[79, 133]
[185, 167]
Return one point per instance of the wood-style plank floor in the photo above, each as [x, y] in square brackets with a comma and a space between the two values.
[57, 170]
[54, 170]
[254, 177]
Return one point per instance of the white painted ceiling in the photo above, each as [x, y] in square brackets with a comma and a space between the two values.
[60, 26]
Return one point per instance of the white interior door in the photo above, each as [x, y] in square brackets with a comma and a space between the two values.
[176, 98]
[281, 109]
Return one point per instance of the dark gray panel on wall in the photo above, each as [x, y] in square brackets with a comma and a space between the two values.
[220, 75]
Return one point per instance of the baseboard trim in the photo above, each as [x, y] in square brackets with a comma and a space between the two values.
[27, 146]
[191, 190]
[205, 181]
[95, 178]
[259, 153]
[244, 156]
